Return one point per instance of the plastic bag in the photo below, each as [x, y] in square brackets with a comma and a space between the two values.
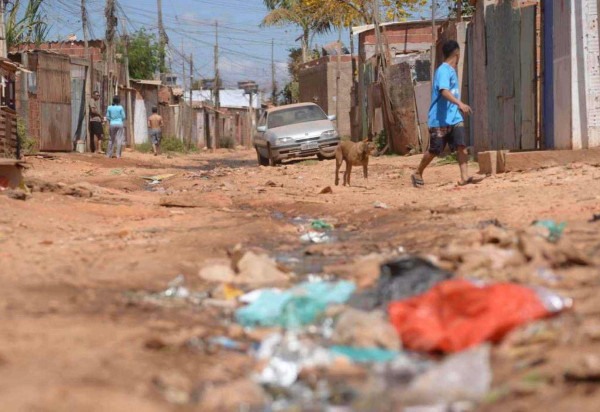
[298, 306]
[400, 279]
[457, 314]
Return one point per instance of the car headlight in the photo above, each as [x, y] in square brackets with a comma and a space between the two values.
[283, 140]
[329, 134]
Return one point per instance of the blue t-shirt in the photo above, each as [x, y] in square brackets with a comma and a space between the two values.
[115, 115]
[442, 113]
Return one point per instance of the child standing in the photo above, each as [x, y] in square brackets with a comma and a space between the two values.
[116, 118]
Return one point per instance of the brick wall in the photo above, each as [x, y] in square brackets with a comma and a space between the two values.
[318, 85]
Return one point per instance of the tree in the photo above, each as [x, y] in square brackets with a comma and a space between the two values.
[301, 13]
[144, 55]
[27, 27]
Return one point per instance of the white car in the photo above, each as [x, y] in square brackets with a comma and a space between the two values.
[293, 131]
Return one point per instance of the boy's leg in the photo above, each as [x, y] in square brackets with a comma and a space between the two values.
[458, 138]
[436, 146]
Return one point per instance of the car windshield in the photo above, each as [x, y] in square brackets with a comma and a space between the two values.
[295, 115]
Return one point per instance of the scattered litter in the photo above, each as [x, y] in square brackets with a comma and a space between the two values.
[228, 343]
[466, 376]
[176, 292]
[365, 330]
[380, 205]
[326, 191]
[295, 307]
[457, 314]
[595, 218]
[271, 183]
[226, 291]
[491, 222]
[315, 237]
[288, 354]
[154, 180]
[116, 172]
[400, 279]
[176, 288]
[556, 229]
[364, 355]
[320, 224]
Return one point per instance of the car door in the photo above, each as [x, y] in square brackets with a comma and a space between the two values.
[260, 137]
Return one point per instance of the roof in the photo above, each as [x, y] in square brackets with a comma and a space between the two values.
[368, 27]
[289, 106]
[232, 98]
[148, 82]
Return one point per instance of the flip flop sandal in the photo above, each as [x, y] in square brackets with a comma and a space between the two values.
[469, 181]
[417, 181]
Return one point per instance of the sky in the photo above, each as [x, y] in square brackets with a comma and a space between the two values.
[245, 47]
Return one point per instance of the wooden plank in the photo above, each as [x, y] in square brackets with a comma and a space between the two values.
[528, 56]
[481, 138]
[55, 124]
[402, 96]
[562, 74]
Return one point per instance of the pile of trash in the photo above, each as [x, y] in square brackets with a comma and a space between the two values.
[417, 337]
[513, 255]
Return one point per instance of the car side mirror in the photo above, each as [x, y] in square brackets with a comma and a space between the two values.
[261, 129]
[332, 117]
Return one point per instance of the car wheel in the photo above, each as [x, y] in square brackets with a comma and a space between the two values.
[262, 161]
[271, 160]
[322, 157]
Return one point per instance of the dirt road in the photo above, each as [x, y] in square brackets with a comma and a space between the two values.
[93, 237]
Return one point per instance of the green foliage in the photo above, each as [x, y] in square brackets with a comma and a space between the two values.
[144, 55]
[28, 26]
[28, 144]
[380, 141]
[144, 147]
[448, 160]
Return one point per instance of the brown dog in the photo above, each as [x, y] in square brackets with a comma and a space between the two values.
[355, 154]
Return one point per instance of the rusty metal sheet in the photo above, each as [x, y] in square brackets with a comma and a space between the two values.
[55, 127]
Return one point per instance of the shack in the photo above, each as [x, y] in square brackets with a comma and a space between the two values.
[9, 142]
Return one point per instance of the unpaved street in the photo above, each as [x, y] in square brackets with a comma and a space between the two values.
[82, 257]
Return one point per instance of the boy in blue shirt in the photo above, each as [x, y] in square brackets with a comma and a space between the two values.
[446, 116]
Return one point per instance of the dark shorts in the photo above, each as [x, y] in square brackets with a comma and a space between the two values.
[453, 136]
[155, 135]
[96, 129]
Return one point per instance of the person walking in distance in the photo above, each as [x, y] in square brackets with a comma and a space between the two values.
[116, 118]
[155, 123]
[96, 127]
[446, 117]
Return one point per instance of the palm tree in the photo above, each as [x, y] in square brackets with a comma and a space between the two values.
[299, 13]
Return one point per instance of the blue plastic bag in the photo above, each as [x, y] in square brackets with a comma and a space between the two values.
[295, 307]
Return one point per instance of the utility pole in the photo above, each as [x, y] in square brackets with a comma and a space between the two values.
[88, 72]
[434, 38]
[338, 75]
[217, 134]
[3, 47]
[162, 36]
[191, 99]
[129, 105]
[273, 81]
[111, 24]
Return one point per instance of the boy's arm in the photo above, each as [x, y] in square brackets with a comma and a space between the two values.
[450, 97]
[443, 81]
